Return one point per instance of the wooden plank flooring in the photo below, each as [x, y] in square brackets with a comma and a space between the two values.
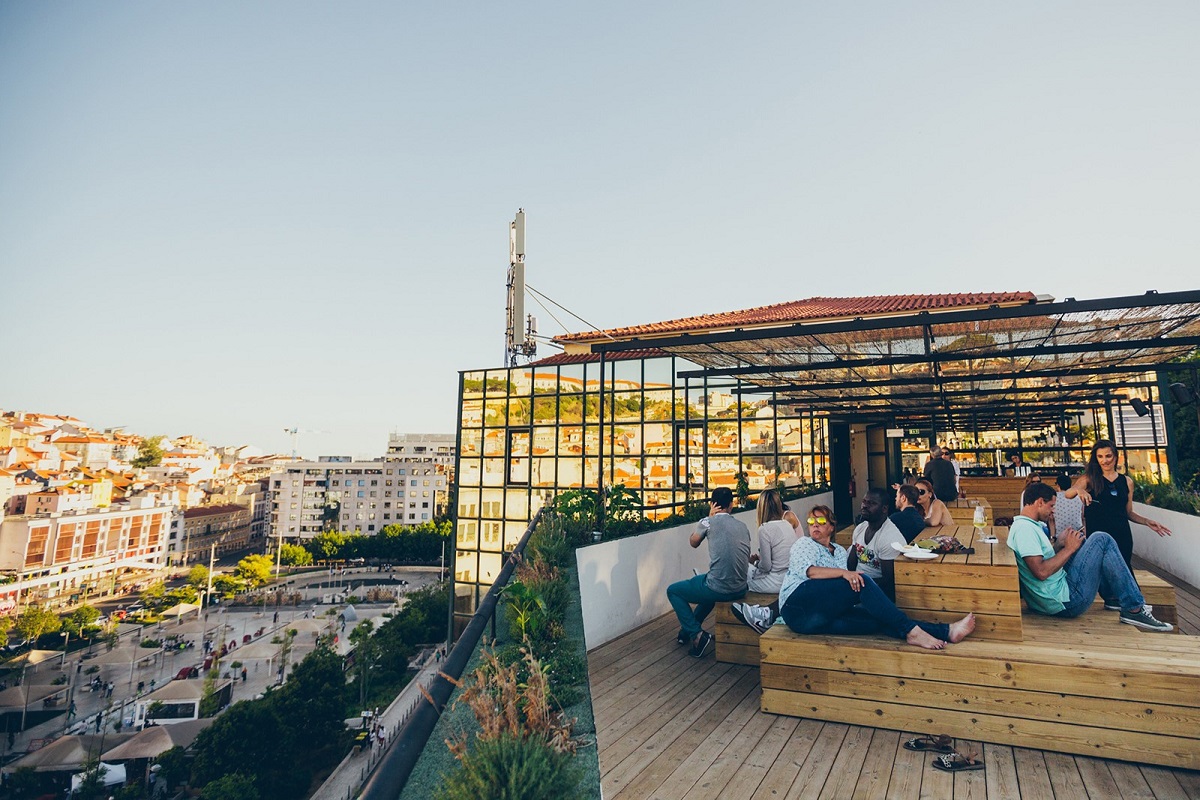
[670, 726]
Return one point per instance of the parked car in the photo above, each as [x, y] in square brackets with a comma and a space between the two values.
[187, 672]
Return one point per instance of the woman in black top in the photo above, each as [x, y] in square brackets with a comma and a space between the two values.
[1109, 500]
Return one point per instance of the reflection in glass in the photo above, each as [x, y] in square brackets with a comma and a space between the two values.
[493, 471]
[473, 384]
[472, 413]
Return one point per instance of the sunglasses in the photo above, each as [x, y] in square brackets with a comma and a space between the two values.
[922, 491]
[817, 520]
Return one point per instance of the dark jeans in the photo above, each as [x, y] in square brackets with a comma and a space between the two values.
[683, 594]
[829, 605]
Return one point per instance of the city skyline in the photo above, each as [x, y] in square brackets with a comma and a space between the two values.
[230, 221]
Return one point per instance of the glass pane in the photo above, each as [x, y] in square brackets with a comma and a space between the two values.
[493, 471]
[490, 535]
[471, 443]
[496, 413]
[627, 407]
[498, 384]
[490, 565]
[545, 441]
[570, 473]
[626, 440]
[658, 404]
[545, 409]
[472, 413]
[468, 503]
[543, 472]
[518, 411]
[570, 408]
[473, 384]
[468, 534]
[517, 505]
[513, 531]
[465, 566]
[469, 472]
[493, 443]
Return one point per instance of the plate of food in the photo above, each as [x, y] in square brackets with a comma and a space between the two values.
[919, 554]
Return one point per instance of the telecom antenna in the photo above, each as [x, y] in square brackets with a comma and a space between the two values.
[519, 331]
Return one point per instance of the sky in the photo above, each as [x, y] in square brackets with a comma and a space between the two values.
[226, 219]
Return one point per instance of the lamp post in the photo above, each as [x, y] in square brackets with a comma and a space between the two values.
[66, 647]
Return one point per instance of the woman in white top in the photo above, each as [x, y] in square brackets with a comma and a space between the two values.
[775, 540]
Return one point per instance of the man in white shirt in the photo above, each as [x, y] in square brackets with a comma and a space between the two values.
[871, 551]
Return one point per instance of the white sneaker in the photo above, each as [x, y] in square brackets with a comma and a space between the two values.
[756, 617]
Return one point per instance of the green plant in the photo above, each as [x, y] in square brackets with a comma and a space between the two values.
[1166, 495]
[510, 767]
[526, 606]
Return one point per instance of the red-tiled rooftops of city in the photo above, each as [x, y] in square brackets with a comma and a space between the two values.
[810, 310]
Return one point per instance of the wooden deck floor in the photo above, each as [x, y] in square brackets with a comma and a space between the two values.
[671, 726]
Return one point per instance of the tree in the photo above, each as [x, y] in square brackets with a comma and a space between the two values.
[228, 584]
[197, 577]
[366, 653]
[327, 544]
[35, 621]
[231, 787]
[255, 570]
[82, 617]
[174, 766]
[294, 555]
[150, 453]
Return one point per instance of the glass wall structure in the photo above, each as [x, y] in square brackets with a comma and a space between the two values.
[569, 422]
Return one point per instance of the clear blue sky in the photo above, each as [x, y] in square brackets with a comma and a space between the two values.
[229, 218]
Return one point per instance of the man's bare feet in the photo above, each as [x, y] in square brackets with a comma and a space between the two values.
[962, 629]
[917, 636]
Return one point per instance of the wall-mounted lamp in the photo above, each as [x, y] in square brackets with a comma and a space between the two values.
[1139, 406]
[1182, 394]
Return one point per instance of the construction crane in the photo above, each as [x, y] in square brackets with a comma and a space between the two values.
[295, 434]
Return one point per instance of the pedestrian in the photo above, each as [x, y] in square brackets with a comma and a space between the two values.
[275, 619]
[71, 711]
[243, 674]
[381, 736]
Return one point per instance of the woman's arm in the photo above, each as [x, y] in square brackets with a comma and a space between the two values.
[1161, 530]
[1080, 489]
[853, 578]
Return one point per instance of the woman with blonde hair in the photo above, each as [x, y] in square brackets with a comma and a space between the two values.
[775, 539]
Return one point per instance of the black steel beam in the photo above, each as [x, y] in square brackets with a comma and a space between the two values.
[1156, 343]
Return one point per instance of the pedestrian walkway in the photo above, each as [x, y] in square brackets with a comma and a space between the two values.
[350, 775]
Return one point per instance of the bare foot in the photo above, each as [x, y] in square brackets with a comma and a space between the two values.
[962, 629]
[920, 638]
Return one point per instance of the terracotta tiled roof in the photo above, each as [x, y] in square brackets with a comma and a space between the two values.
[588, 358]
[812, 309]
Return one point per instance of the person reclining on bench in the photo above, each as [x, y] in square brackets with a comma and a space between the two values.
[818, 596]
[1065, 584]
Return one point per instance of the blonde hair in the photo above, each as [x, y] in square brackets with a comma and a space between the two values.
[770, 507]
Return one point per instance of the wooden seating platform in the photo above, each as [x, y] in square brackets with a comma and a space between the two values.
[1089, 686]
[737, 643]
[1002, 493]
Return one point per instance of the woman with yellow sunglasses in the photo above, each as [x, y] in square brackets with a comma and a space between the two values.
[820, 596]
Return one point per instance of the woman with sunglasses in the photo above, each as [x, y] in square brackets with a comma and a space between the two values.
[818, 596]
[935, 512]
[775, 538]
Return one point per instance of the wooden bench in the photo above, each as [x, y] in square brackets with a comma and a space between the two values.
[1002, 494]
[1158, 593]
[963, 511]
[1088, 686]
[947, 588]
[738, 643]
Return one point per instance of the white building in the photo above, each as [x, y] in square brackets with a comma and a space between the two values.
[308, 497]
[57, 556]
[433, 448]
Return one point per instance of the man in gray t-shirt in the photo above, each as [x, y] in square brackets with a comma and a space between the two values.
[729, 561]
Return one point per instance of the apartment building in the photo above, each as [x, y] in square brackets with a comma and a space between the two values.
[308, 497]
[225, 527]
[56, 558]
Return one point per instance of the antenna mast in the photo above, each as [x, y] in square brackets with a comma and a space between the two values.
[519, 331]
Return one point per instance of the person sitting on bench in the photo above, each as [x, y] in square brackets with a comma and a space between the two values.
[818, 596]
[1065, 584]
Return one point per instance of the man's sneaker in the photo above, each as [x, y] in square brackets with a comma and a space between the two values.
[756, 617]
[1143, 619]
[1113, 605]
[702, 645]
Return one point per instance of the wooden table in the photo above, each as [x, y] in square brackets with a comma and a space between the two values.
[963, 511]
[948, 587]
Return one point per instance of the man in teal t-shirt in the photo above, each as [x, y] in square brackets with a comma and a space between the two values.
[1065, 584]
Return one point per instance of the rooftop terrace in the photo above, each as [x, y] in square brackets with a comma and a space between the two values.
[670, 726]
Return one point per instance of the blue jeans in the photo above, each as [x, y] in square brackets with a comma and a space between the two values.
[829, 605]
[683, 594]
[1098, 567]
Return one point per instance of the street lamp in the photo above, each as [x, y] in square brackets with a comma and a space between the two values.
[66, 647]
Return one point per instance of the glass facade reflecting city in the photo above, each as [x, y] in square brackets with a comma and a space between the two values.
[529, 432]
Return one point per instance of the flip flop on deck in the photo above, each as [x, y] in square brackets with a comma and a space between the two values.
[937, 743]
[956, 762]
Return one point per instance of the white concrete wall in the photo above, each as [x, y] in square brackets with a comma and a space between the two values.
[1179, 553]
[623, 583]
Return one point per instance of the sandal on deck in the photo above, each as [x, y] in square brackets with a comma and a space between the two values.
[956, 762]
[938, 743]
